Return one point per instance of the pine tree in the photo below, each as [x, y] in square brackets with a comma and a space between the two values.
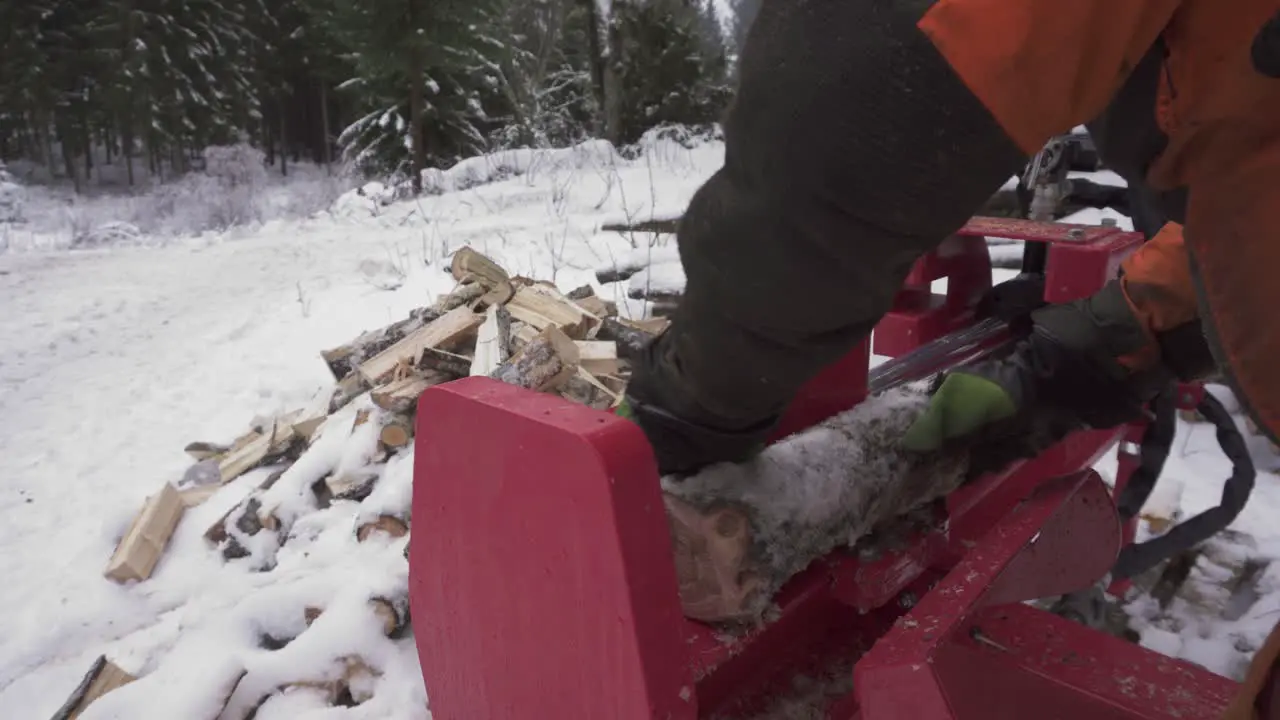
[425, 71]
[545, 74]
[671, 64]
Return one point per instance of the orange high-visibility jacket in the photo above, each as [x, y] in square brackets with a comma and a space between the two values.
[1043, 67]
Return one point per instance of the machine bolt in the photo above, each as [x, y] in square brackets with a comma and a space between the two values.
[907, 600]
[1075, 234]
[1109, 222]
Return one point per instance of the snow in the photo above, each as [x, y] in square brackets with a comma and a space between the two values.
[113, 358]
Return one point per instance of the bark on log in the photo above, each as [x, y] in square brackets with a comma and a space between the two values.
[545, 363]
[656, 225]
[630, 341]
[445, 333]
[464, 294]
[344, 359]
[825, 487]
[348, 389]
[446, 363]
[356, 485]
[103, 677]
[584, 389]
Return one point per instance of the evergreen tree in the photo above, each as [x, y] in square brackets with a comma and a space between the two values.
[671, 63]
[424, 71]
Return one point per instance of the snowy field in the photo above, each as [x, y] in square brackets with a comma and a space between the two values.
[112, 359]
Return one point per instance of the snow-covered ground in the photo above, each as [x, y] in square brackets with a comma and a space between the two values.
[113, 359]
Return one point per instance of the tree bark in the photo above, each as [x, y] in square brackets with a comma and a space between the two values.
[284, 143]
[597, 62]
[324, 126]
[416, 72]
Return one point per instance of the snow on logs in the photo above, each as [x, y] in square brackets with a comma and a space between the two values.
[350, 445]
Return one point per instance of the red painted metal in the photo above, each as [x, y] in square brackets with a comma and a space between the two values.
[1081, 259]
[542, 585]
[970, 650]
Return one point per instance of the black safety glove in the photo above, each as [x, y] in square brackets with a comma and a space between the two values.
[1064, 376]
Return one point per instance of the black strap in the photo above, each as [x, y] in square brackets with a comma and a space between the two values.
[1156, 442]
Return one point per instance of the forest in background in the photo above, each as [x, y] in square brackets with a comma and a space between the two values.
[385, 87]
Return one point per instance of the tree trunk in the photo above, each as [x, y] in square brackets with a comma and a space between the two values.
[126, 146]
[284, 144]
[416, 72]
[597, 60]
[68, 159]
[612, 84]
[324, 126]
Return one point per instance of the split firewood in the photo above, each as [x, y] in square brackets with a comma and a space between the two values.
[469, 265]
[493, 341]
[306, 429]
[401, 396]
[446, 363]
[195, 496]
[354, 485]
[362, 417]
[348, 389]
[811, 493]
[396, 434]
[544, 307]
[309, 614]
[342, 361]
[103, 677]
[388, 525]
[613, 383]
[464, 294]
[393, 610]
[266, 445]
[629, 340]
[584, 389]
[545, 363]
[217, 532]
[445, 333]
[598, 357]
[139, 550]
[355, 680]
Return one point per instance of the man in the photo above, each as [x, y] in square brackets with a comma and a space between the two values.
[864, 132]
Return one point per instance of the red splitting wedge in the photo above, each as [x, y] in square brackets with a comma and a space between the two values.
[543, 588]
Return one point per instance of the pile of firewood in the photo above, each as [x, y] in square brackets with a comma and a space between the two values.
[513, 329]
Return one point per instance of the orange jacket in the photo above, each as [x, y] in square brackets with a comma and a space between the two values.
[1043, 67]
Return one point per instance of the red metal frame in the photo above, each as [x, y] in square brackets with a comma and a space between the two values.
[542, 585]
